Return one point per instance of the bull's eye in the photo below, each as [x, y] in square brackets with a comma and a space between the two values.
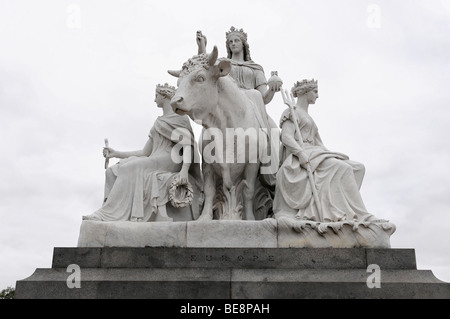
[200, 78]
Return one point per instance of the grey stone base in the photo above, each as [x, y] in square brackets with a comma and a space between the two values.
[232, 273]
[267, 233]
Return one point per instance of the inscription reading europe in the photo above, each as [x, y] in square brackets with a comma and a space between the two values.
[253, 258]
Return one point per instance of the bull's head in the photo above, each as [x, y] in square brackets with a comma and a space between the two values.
[197, 91]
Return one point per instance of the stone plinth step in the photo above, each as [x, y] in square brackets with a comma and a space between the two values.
[232, 273]
[254, 258]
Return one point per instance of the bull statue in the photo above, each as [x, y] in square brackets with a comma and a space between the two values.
[235, 182]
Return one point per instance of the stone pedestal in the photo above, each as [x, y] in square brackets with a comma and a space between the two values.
[232, 273]
[267, 259]
[267, 233]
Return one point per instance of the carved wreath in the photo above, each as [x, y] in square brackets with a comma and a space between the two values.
[180, 194]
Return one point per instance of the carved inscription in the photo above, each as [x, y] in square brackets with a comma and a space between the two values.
[228, 258]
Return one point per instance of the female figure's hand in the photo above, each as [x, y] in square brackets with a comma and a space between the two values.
[274, 86]
[275, 82]
[182, 177]
[303, 159]
[201, 42]
[108, 152]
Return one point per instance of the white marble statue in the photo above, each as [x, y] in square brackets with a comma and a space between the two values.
[250, 76]
[331, 193]
[208, 95]
[313, 193]
[137, 187]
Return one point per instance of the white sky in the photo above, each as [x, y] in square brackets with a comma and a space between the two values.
[75, 72]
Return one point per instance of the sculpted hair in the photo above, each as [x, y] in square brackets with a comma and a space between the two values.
[165, 90]
[244, 42]
[301, 88]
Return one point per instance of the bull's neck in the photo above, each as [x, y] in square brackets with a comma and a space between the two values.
[213, 119]
[226, 113]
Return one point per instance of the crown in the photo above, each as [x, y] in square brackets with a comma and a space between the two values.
[165, 89]
[303, 87]
[240, 31]
[165, 86]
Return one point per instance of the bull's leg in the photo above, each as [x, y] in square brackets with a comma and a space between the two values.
[209, 189]
[251, 173]
[226, 176]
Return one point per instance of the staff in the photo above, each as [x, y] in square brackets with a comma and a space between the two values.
[106, 154]
[291, 104]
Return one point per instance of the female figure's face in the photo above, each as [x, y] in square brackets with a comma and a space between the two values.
[312, 96]
[235, 44]
[159, 99]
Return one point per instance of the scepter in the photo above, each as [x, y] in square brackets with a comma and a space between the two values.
[106, 157]
[291, 105]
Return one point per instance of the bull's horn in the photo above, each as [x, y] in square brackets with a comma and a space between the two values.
[213, 56]
[175, 73]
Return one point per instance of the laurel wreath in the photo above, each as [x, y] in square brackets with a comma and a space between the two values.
[180, 194]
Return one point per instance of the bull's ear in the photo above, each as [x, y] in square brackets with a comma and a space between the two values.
[174, 73]
[212, 57]
[223, 68]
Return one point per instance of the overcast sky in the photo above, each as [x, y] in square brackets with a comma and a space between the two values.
[75, 72]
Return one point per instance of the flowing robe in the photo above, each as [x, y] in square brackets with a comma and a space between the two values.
[136, 186]
[337, 178]
[249, 76]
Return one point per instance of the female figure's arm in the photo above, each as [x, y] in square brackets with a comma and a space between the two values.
[291, 144]
[268, 90]
[187, 161]
[146, 151]
[201, 42]
[266, 94]
[288, 130]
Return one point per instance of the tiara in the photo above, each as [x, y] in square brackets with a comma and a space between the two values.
[166, 90]
[165, 87]
[304, 86]
[240, 31]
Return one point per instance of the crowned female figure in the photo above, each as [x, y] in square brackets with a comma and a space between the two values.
[250, 76]
[137, 187]
[334, 177]
[247, 74]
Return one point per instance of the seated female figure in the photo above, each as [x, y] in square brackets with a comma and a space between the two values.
[336, 178]
[137, 187]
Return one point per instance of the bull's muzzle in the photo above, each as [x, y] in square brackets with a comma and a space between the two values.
[177, 104]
